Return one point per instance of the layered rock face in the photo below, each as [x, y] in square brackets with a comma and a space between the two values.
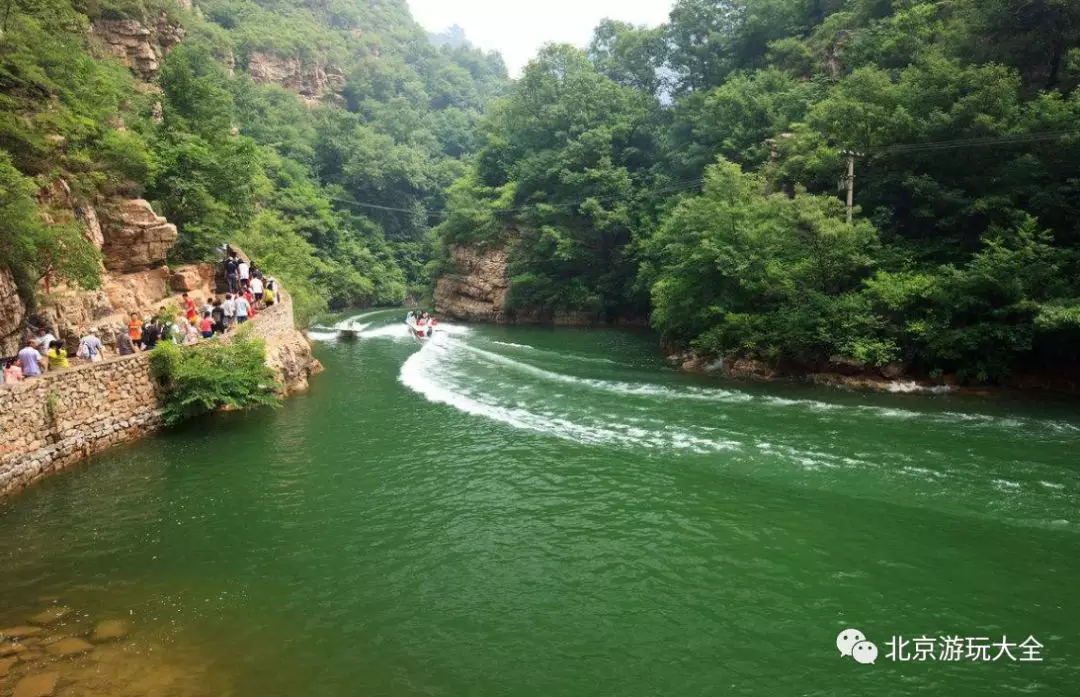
[139, 47]
[11, 315]
[135, 237]
[312, 82]
[476, 291]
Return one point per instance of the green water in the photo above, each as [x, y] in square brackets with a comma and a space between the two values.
[512, 511]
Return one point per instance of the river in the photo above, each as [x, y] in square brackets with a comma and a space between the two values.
[527, 511]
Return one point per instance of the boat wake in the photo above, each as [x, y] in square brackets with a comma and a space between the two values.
[750, 431]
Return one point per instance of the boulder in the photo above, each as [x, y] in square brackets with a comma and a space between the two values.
[110, 630]
[5, 666]
[41, 685]
[69, 646]
[11, 649]
[53, 614]
[135, 236]
[20, 632]
[186, 279]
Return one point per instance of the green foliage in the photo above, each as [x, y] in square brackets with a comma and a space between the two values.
[30, 248]
[224, 158]
[738, 271]
[963, 253]
[210, 376]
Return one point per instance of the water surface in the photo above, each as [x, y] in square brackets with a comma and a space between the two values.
[513, 511]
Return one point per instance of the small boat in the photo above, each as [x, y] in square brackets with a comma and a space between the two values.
[348, 334]
[423, 333]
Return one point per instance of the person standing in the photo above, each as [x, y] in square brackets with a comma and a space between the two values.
[232, 271]
[135, 329]
[124, 345]
[58, 358]
[229, 306]
[191, 334]
[30, 360]
[150, 335]
[189, 308]
[45, 339]
[218, 315]
[245, 273]
[90, 347]
[206, 326]
[256, 286]
[242, 309]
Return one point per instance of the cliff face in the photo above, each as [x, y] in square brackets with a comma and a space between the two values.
[11, 315]
[141, 48]
[134, 237]
[311, 81]
[476, 291]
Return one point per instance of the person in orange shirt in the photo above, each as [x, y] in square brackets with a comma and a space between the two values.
[135, 330]
[189, 308]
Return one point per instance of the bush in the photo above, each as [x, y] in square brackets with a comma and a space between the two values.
[204, 378]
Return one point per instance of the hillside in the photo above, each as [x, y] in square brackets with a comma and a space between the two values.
[688, 174]
[288, 127]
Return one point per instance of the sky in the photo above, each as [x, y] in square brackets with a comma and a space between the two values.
[518, 29]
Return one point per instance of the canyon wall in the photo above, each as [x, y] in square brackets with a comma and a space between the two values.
[475, 291]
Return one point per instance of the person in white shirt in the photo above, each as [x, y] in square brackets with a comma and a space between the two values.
[257, 289]
[229, 306]
[245, 273]
[242, 309]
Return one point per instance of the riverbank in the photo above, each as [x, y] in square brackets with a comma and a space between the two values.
[55, 421]
[892, 378]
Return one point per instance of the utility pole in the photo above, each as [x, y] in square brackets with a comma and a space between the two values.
[849, 180]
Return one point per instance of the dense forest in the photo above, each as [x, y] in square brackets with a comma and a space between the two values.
[302, 184]
[688, 174]
[685, 174]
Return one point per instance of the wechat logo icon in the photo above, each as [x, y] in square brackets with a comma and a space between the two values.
[852, 643]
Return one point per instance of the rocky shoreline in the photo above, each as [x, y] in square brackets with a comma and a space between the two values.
[54, 649]
[893, 378]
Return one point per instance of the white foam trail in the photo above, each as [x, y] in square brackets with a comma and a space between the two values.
[625, 388]
[322, 336]
[423, 373]
[912, 387]
[571, 356]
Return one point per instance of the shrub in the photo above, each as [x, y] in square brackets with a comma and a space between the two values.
[204, 378]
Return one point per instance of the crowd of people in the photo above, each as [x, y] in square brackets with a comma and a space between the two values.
[249, 291]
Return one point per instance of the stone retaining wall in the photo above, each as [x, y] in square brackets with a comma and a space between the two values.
[95, 406]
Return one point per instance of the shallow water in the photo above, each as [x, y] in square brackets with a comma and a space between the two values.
[535, 512]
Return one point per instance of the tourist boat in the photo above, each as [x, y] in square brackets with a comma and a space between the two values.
[422, 333]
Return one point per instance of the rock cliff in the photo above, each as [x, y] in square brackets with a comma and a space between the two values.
[476, 289]
[134, 237]
[11, 315]
[141, 48]
[312, 81]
